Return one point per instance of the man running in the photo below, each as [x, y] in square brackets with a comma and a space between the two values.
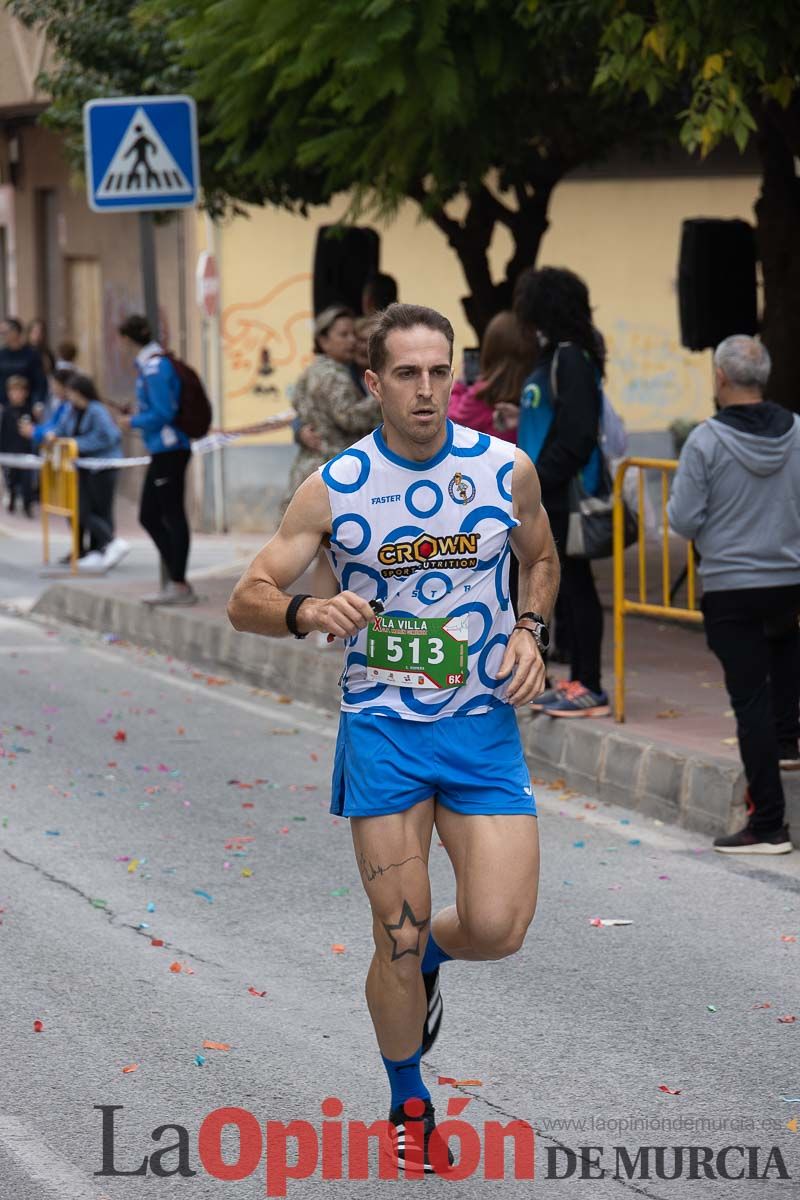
[418, 520]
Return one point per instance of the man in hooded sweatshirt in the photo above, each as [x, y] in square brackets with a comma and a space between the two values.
[736, 493]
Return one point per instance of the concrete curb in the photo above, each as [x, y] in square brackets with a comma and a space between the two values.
[598, 757]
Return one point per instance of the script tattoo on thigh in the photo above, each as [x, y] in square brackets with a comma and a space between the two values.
[372, 871]
[406, 934]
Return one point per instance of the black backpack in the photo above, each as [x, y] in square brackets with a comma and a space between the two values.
[194, 409]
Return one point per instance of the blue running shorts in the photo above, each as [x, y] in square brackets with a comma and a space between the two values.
[470, 764]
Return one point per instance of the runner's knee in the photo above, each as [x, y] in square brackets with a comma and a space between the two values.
[497, 935]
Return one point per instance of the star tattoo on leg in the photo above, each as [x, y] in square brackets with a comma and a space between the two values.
[409, 925]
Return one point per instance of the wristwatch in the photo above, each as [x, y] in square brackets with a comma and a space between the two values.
[539, 628]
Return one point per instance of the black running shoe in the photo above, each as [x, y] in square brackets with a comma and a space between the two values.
[747, 842]
[405, 1147]
[433, 1018]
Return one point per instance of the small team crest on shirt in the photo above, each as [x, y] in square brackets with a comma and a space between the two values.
[461, 488]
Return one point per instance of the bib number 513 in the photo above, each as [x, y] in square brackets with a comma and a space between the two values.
[434, 647]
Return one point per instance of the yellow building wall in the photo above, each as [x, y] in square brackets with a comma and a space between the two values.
[621, 235]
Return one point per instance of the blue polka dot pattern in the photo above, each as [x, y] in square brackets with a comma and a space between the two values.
[502, 475]
[381, 589]
[489, 681]
[414, 507]
[432, 595]
[338, 467]
[396, 537]
[480, 447]
[351, 519]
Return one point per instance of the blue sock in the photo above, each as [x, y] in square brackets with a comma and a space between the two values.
[433, 957]
[405, 1079]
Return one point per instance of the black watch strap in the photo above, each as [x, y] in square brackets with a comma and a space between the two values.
[291, 616]
[532, 616]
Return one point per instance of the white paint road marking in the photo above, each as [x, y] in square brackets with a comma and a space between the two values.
[265, 710]
[54, 1175]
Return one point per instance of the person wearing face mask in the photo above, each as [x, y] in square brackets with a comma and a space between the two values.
[326, 398]
[89, 423]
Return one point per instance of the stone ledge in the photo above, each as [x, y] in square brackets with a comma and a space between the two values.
[597, 757]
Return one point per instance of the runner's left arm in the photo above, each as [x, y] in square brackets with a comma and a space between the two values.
[539, 573]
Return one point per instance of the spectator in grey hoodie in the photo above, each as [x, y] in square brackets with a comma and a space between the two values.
[737, 494]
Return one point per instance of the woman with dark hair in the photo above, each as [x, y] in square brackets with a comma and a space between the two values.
[89, 423]
[508, 356]
[559, 427]
[36, 336]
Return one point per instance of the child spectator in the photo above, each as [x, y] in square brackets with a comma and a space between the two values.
[14, 423]
[88, 421]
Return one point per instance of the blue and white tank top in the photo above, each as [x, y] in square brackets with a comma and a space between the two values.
[427, 539]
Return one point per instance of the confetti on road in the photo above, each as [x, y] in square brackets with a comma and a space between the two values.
[766, 1004]
[662, 1087]
[337, 948]
[246, 872]
[608, 921]
[787, 1020]
[151, 906]
[255, 992]
[216, 1046]
[38, 1027]
[156, 942]
[204, 895]
[579, 845]
[99, 903]
[199, 1059]
[53, 832]
[711, 1007]
[341, 891]
[131, 1067]
[788, 937]
[120, 736]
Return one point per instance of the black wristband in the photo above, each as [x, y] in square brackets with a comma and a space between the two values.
[291, 616]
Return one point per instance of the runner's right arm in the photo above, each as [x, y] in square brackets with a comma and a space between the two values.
[260, 600]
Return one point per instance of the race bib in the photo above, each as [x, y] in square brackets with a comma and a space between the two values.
[419, 652]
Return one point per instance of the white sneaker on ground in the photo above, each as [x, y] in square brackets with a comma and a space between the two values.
[115, 552]
[93, 561]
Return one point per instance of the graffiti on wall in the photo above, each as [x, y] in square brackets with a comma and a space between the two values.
[266, 342]
[652, 378]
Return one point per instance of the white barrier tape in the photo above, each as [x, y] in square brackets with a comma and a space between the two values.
[32, 462]
[23, 462]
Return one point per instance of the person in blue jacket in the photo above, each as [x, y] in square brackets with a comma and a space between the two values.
[58, 388]
[88, 421]
[161, 508]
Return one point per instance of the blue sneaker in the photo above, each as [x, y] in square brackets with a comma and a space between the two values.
[575, 700]
[540, 703]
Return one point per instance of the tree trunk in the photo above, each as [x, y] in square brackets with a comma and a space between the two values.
[778, 233]
[470, 239]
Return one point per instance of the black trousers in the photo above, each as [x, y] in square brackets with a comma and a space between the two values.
[580, 610]
[161, 510]
[96, 506]
[20, 483]
[754, 634]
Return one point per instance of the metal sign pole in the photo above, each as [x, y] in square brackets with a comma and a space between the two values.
[147, 250]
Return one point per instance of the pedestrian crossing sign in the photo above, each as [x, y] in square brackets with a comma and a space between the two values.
[141, 153]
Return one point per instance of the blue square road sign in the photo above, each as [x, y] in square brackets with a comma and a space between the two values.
[141, 153]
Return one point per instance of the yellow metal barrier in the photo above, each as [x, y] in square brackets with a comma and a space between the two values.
[622, 605]
[58, 494]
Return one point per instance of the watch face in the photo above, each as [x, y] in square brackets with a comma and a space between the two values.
[543, 634]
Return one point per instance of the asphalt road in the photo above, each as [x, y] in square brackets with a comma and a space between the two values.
[108, 844]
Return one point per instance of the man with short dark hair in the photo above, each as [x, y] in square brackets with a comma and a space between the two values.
[18, 358]
[735, 494]
[419, 520]
[161, 509]
[379, 292]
